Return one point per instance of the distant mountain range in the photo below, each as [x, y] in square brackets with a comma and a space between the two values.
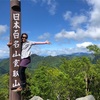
[78, 54]
[73, 54]
[53, 61]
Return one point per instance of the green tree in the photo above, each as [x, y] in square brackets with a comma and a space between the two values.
[95, 80]
[49, 83]
[40, 83]
[94, 48]
[78, 70]
[4, 87]
[59, 84]
[96, 51]
[95, 71]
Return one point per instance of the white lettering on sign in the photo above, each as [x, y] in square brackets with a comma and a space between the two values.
[16, 61]
[16, 16]
[16, 54]
[15, 73]
[16, 45]
[16, 34]
[16, 25]
[15, 84]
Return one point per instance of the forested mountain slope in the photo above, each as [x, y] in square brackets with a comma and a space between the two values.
[53, 61]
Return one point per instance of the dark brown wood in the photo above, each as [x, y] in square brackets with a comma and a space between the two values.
[15, 49]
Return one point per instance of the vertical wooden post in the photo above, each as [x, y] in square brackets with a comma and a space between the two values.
[15, 49]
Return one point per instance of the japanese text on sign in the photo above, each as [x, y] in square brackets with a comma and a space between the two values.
[16, 44]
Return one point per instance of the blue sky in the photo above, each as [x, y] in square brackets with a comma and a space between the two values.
[70, 25]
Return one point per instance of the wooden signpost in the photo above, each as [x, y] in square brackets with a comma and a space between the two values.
[15, 49]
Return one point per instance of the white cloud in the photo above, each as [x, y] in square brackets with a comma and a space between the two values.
[64, 51]
[93, 33]
[79, 34]
[4, 51]
[3, 29]
[84, 44]
[35, 1]
[45, 36]
[90, 24]
[65, 34]
[75, 20]
[86, 25]
[67, 15]
[52, 4]
[95, 12]
[52, 9]
[79, 48]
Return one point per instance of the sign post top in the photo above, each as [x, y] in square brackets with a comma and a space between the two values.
[14, 0]
[15, 5]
